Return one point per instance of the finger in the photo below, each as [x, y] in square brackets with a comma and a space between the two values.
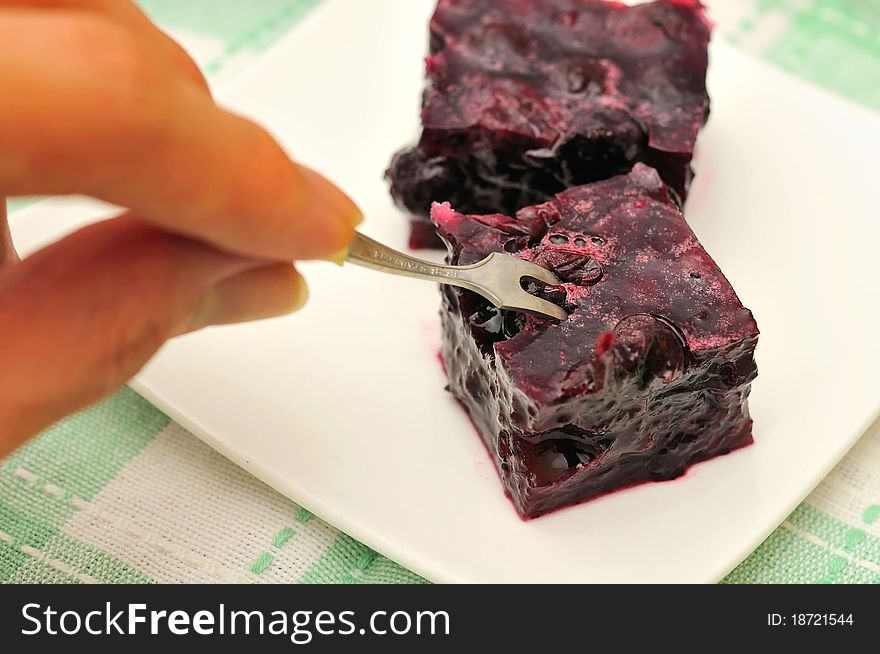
[130, 15]
[265, 292]
[103, 119]
[82, 316]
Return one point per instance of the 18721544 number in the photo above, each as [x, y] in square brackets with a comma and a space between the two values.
[810, 619]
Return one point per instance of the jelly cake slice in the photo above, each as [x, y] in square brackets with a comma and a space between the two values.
[525, 99]
[650, 372]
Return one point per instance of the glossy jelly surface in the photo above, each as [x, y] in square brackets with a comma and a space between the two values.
[650, 372]
[526, 98]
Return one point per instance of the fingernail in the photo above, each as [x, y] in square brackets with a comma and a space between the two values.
[345, 207]
[357, 217]
[239, 300]
[299, 297]
[332, 197]
[339, 257]
[205, 315]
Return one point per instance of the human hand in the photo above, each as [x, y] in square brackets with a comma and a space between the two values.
[94, 99]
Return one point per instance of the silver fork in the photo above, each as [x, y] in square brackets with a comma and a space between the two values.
[497, 278]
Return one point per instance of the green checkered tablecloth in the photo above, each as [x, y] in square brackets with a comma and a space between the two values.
[119, 493]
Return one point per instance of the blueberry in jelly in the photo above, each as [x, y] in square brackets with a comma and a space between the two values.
[650, 372]
[525, 99]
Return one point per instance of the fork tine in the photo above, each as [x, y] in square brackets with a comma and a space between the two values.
[503, 274]
[535, 271]
[531, 304]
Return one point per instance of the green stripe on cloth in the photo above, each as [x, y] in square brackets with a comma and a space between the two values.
[64, 560]
[241, 26]
[787, 558]
[842, 537]
[79, 458]
[819, 35]
[19, 528]
[50, 478]
[812, 547]
[240, 21]
[347, 561]
[23, 491]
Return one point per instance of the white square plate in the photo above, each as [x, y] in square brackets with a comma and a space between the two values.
[342, 407]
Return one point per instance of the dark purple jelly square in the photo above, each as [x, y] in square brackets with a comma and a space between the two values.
[526, 98]
[650, 372]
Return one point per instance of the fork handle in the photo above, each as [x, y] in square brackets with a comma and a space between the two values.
[494, 278]
[366, 252]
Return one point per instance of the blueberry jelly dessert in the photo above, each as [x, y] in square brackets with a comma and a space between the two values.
[526, 98]
[649, 373]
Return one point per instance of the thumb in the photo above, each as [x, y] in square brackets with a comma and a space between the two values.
[82, 316]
